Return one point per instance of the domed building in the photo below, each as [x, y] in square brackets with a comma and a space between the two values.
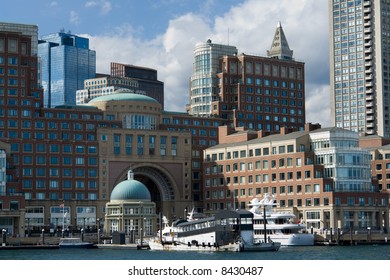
[130, 210]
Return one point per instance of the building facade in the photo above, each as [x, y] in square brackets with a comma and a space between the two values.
[321, 175]
[254, 92]
[359, 65]
[204, 82]
[65, 62]
[146, 80]
[69, 158]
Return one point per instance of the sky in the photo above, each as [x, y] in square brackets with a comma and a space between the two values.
[162, 34]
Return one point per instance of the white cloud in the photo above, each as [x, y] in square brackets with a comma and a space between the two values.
[250, 27]
[74, 17]
[105, 6]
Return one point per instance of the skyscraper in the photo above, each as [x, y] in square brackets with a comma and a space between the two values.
[254, 92]
[66, 61]
[203, 79]
[359, 65]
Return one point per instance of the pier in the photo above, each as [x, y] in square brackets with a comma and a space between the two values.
[352, 237]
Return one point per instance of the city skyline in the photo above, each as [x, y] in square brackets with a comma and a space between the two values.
[167, 42]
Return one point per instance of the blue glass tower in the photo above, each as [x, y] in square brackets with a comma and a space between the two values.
[66, 61]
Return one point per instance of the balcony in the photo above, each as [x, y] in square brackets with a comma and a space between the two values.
[367, 4]
[367, 30]
[367, 23]
[368, 50]
[369, 90]
[369, 97]
[368, 64]
[369, 77]
[367, 17]
[369, 111]
[369, 104]
[368, 44]
[370, 118]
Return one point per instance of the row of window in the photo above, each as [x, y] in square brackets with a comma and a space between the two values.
[56, 184]
[256, 152]
[251, 192]
[53, 148]
[64, 195]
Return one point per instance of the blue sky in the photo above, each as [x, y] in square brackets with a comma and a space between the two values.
[162, 35]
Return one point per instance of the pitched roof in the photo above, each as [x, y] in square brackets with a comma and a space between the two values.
[279, 48]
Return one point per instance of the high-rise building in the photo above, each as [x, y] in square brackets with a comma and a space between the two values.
[66, 61]
[204, 79]
[360, 65]
[136, 79]
[262, 93]
[146, 80]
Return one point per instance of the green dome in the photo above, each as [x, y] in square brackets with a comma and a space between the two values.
[123, 95]
[130, 190]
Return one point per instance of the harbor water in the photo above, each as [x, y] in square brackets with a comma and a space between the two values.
[363, 252]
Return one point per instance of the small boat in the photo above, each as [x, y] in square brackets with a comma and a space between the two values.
[280, 226]
[75, 242]
[227, 230]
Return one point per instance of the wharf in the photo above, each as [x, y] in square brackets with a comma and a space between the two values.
[352, 237]
[27, 247]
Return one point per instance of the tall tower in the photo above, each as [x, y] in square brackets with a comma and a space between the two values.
[203, 79]
[262, 93]
[66, 61]
[360, 65]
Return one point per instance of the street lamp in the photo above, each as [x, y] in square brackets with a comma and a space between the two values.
[4, 237]
[43, 237]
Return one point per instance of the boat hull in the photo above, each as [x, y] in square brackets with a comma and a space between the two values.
[294, 239]
[85, 246]
[159, 246]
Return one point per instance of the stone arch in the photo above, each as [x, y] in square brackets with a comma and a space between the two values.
[164, 182]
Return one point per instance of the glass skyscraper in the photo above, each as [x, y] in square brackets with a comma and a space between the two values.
[66, 61]
[204, 81]
[359, 65]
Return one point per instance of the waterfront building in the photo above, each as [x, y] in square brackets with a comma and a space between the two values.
[359, 66]
[62, 163]
[320, 174]
[65, 62]
[130, 210]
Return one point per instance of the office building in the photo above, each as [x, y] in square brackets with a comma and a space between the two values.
[254, 92]
[360, 65]
[136, 79]
[147, 82]
[319, 174]
[204, 81]
[65, 62]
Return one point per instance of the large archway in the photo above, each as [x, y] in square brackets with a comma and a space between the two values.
[158, 181]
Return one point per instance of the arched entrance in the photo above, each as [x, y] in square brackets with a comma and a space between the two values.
[159, 182]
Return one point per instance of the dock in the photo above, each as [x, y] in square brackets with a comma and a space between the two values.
[352, 237]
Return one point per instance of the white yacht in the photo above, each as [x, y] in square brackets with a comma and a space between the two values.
[280, 226]
[225, 231]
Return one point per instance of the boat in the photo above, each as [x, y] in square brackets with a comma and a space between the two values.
[227, 230]
[75, 242]
[280, 226]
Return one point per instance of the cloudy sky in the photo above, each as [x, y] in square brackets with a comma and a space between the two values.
[162, 34]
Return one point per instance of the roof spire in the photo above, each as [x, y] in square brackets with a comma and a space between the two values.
[279, 48]
[130, 175]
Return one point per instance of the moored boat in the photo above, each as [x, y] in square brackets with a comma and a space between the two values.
[227, 230]
[280, 226]
[75, 242]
